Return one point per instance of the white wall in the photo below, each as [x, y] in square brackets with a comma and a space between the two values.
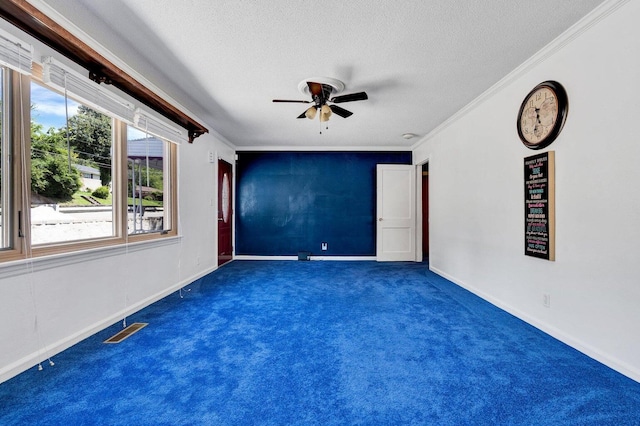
[52, 303]
[69, 297]
[477, 193]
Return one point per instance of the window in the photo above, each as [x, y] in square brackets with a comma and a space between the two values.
[148, 188]
[93, 179]
[69, 139]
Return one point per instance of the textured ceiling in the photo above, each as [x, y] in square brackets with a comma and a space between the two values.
[419, 61]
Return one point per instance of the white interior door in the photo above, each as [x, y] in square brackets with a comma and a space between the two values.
[396, 211]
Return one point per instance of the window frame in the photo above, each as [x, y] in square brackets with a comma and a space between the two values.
[5, 167]
[19, 130]
[15, 84]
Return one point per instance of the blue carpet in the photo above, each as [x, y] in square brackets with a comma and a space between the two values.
[295, 343]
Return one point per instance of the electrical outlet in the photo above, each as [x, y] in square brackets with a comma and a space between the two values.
[324, 246]
[546, 300]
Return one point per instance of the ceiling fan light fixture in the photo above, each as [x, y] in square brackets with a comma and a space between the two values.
[325, 113]
[311, 113]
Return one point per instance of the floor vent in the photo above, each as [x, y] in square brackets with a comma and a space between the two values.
[119, 337]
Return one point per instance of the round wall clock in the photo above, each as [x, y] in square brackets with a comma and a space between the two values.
[542, 115]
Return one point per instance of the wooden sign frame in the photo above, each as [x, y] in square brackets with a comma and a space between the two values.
[540, 206]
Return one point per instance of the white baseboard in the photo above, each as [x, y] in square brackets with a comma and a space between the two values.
[339, 258]
[49, 351]
[345, 258]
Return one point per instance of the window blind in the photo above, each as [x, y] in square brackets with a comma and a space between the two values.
[14, 53]
[86, 91]
[154, 126]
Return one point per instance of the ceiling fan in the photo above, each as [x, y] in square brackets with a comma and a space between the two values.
[321, 89]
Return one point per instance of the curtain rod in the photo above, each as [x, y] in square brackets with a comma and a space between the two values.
[35, 23]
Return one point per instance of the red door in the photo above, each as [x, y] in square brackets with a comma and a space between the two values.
[225, 212]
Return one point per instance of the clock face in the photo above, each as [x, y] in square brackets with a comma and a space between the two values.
[542, 115]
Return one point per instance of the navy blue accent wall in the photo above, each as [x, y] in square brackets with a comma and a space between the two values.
[289, 202]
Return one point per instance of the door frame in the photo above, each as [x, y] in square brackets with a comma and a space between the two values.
[231, 209]
[418, 195]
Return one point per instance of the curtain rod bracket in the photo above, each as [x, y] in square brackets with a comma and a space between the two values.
[99, 78]
[194, 134]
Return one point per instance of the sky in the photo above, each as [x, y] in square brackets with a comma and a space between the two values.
[49, 107]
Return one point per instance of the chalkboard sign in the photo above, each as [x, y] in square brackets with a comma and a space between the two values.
[539, 206]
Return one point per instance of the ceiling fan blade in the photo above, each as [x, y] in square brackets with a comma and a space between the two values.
[360, 96]
[340, 111]
[287, 100]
